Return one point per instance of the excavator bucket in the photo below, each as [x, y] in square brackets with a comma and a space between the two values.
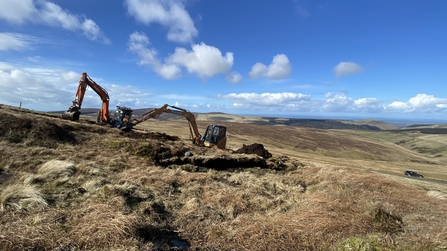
[73, 116]
[72, 113]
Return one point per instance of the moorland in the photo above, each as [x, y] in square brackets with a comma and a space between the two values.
[328, 185]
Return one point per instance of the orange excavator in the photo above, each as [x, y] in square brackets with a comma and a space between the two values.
[123, 115]
[215, 135]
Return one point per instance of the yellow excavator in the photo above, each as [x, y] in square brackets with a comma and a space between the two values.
[215, 135]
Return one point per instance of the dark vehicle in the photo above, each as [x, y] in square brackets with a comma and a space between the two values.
[413, 174]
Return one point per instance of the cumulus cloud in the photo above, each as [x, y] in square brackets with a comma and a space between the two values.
[346, 69]
[138, 43]
[265, 99]
[339, 102]
[398, 105]
[168, 13]
[294, 102]
[234, 77]
[70, 76]
[368, 105]
[420, 103]
[50, 14]
[279, 68]
[203, 60]
[53, 89]
[333, 103]
[16, 41]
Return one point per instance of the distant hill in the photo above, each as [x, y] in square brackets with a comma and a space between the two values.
[370, 122]
[324, 124]
[218, 117]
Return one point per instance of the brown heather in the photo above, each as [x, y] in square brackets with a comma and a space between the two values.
[80, 186]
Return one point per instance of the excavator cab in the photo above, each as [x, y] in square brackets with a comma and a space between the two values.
[215, 135]
[122, 118]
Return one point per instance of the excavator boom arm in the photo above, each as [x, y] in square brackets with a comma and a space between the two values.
[214, 134]
[196, 136]
[84, 82]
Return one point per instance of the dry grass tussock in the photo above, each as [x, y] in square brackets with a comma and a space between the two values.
[57, 168]
[21, 196]
[95, 227]
[312, 209]
[99, 194]
[51, 170]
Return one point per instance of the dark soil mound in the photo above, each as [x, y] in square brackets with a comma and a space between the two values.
[255, 148]
[174, 156]
[34, 132]
[216, 162]
[150, 135]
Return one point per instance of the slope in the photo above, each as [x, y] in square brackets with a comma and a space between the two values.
[81, 186]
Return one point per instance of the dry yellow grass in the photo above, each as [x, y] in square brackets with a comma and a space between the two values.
[102, 194]
[21, 196]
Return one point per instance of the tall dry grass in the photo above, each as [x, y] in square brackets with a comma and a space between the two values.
[21, 196]
[101, 196]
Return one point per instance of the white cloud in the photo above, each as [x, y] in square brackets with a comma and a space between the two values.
[420, 103]
[279, 68]
[369, 105]
[17, 11]
[346, 69]
[50, 14]
[203, 60]
[234, 77]
[54, 89]
[168, 13]
[138, 43]
[265, 99]
[258, 70]
[298, 102]
[332, 103]
[126, 95]
[16, 41]
[424, 101]
[70, 76]
[398, 105]
[337, 103]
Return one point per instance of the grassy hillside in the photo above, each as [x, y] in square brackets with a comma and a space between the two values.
[91, 113]
[79, 186]
[353, 148]
[428, 142]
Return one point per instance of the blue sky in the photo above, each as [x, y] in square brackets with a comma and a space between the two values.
[366, 59]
